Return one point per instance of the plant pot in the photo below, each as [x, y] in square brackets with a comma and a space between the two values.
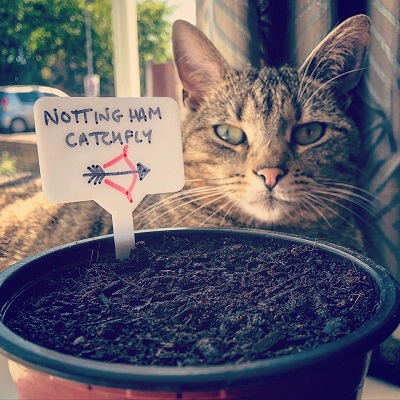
[331, 371]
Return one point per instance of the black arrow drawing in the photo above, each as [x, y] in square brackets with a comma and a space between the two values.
[97, 174]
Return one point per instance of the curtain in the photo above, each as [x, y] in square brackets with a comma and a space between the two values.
[253, 32]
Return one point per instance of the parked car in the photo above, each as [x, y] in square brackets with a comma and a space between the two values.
[16, 106]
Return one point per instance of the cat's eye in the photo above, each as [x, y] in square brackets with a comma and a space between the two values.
[230, 134]
[308, 133]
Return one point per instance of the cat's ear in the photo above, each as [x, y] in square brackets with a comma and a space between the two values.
[200, 65]
[339, 60]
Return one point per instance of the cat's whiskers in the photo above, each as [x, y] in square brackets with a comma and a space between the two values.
[322, 201]
[349, 193]
[310, 203]
[310, 75]
[228, 212]
[146, 200]
[330, 197]
[352, 198]
[372, 227]
[183, 198]
[342, 195]
[160, 204]
[175, 197]
[303, 84]
[307, 78]
[367, 195]
[198, 209]
[288, 212]
[235, 89]
[217, 211]
[328, 82]
[173, 209]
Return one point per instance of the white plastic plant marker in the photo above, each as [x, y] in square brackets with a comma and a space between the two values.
[114, 151]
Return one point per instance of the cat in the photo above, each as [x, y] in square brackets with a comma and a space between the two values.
[271, 148]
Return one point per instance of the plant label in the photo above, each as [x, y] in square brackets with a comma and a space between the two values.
[114, 151]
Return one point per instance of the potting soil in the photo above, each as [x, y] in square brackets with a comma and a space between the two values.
[203, 302]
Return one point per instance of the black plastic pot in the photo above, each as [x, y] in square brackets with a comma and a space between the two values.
[331, 371]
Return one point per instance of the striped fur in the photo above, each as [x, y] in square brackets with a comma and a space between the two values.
[316, 192]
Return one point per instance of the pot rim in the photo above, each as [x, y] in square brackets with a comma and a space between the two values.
[358, 342]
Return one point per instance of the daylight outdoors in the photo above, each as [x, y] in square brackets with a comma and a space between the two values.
[46, 42]
[287, 127]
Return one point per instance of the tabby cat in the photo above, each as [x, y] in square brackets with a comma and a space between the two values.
[270, 148]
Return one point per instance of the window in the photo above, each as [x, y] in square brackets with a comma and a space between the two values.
[29, 97]
[43, 94]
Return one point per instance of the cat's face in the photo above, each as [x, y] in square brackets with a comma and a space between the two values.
[268, 146]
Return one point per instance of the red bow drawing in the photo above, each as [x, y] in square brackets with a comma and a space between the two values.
[97, 173]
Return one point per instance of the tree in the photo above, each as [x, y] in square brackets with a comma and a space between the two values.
[43, 41]
[14, 61]
[154, 33]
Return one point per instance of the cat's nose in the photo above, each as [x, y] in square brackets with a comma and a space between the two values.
[271, 176]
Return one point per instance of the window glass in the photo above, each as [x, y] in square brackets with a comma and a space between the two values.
[29, 97]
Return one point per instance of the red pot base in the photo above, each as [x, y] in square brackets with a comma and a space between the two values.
[32, 384]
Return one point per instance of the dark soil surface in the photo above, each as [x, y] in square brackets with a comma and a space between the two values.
[180, 303]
